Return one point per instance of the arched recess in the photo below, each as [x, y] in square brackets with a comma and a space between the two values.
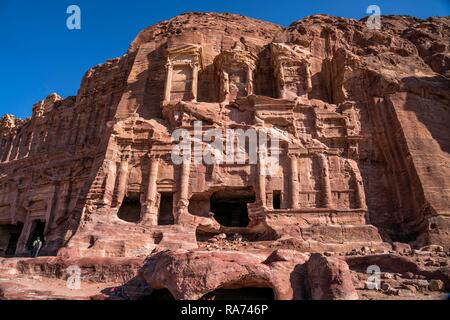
[130, 208]
[229, 206]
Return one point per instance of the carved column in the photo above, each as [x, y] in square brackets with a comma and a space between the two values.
[360, 196]
[22, 242]
[294, 182]
[64, 211]
[194, 88]
[110, 183]
[150, 213]
[359, 185]
[261, 179]
[184, 181]
[14, 199]
[308, 82]
[249, 80]
[183, 192]
[168, 88]
[52, 206]
[327, 197]
[224, 86]
[60, 202]
[123, 180]
[282, 82]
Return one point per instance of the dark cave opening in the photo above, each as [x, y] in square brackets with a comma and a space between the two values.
[230, 206]
[165, 216]
[130, 210]
[276, 203]
[11, 235]
[37, 231]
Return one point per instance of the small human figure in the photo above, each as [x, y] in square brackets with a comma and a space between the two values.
[236, 237]
[37, 245]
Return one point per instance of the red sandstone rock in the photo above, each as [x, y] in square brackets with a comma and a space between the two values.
[386, 262]
[329, 279]
[192, 275]
[362, 114]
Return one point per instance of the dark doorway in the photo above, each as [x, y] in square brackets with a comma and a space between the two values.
[160, 295]
[240, 294]
[16, 231]
[277, 199]
[37, 231]
[230, 206]
[130, 210]
[9, 237]
[165, 216]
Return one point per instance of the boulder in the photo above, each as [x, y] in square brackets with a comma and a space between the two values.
[329, 279]
[436, 285]
[190, 275]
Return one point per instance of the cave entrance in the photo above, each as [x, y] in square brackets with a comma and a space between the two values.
[165, 216]
[230, 206]
[36, 231]
[250, 293]
[130, 210]
[276, 203]
[9, 237]
[16, 231]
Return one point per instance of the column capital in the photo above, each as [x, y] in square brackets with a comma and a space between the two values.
[295, 152]
[169, 65]
[194, 65]
[293, 156]
[154, 156]
[125, 157]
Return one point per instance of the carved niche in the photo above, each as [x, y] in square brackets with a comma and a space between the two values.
[292, 71]
[235, 70]
[183, 65]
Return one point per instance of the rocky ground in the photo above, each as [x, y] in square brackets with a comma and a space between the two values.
[46, 278]
[403, 273]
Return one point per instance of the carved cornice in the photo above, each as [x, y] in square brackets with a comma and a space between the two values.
[233, 57]
[188, 54]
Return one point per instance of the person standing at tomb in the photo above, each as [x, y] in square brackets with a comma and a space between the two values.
[37, 245]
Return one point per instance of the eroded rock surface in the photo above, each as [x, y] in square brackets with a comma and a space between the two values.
[192, 275]
[329, 279]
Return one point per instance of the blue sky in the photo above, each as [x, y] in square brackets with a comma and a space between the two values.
[40, 55]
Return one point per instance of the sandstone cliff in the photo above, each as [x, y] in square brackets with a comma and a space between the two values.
[365, 159]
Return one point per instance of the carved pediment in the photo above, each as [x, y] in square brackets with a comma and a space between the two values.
[185, 54]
